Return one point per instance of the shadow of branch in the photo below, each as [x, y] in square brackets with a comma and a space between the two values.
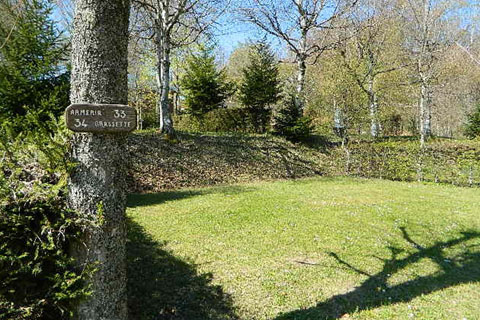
[375, 290]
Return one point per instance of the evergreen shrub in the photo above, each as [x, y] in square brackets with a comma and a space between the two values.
[289, 122]
[38, 278]
[218, 120]
[472, 129]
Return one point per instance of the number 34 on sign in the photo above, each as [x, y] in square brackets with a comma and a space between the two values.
[107, 118]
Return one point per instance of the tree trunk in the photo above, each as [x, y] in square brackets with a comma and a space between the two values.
[428, 112]
[372, 97]
[97, 184]
[373, 106]
[166, 122]
[422, 107]
[163, 77]
[302, 64]
[302, 69]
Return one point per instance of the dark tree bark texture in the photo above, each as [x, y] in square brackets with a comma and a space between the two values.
[97, 184]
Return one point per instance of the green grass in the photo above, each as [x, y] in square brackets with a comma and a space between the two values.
[307, 249]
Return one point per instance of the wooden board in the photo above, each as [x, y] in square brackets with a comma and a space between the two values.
[106, 118]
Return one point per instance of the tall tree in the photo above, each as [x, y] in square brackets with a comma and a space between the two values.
[426, 34]
[204, 86]
[260, 87]
[368, 53]
[33, 73]
[97, 184]
[295, 22]
[174, 24]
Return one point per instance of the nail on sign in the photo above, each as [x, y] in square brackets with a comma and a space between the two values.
[107, 118]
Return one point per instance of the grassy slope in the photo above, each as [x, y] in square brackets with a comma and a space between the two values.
[307, 249]
[208, 159]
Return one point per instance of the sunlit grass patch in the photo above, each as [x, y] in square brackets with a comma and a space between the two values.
[308, 249]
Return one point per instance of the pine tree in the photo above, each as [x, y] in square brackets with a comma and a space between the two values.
[205, 87]
[260, 87]
[289, 121]
[472, 129]
[33, 76]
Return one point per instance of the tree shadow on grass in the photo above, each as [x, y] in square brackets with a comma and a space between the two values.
[149, 199]
[375, 291]
[162, 286]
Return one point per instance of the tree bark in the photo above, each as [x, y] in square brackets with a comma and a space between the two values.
[302, 61]
[163, 56]
[97, 184]
[373, 106]
[422, 107]
[302, 69]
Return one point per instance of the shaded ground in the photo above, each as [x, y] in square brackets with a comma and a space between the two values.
[162, 286]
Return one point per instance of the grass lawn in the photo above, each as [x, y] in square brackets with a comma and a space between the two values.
[308, 249]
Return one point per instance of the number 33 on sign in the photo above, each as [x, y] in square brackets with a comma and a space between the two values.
[101, 118]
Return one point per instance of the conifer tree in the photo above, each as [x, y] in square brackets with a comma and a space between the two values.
[472, 129]
[205, 87]
[33, 76]
[260, 87]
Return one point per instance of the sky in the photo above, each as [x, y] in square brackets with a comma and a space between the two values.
[229, 33]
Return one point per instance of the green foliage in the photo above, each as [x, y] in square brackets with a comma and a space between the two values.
[472, 129]
[444, 161]
[145, 101]
[38, 279]
[205, 88]
[32, 73]
[260, 87]
[218, 120]
[289, 122]
[213, 158]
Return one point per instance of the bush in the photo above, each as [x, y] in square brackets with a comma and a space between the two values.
[472, 129]
[455, 162]
[289, 122]
[38, 279]
[219, 120]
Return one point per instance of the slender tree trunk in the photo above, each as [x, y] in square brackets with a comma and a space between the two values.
[163, 84]
[158, 48]
[372, 97]
[302, 69]
[302, 63]
[166, 122]
[373, 107]
[97, 184]
[428, 112]
[422, 106]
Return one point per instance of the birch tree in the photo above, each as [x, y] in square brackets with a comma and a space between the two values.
[295, 23]
[173, 24]
[97, 184]
[368, 53]
[425, 24]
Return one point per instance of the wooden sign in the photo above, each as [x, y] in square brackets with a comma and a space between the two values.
[106, 118]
